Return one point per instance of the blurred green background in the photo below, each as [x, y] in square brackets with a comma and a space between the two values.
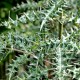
[5, 7]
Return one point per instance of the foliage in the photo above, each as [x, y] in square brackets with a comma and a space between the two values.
[45, 40]
[5, 7]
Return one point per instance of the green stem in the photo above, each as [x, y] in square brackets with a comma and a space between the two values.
[60, 30]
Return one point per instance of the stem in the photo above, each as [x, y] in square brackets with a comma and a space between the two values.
[59, 61]
[61, 28]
